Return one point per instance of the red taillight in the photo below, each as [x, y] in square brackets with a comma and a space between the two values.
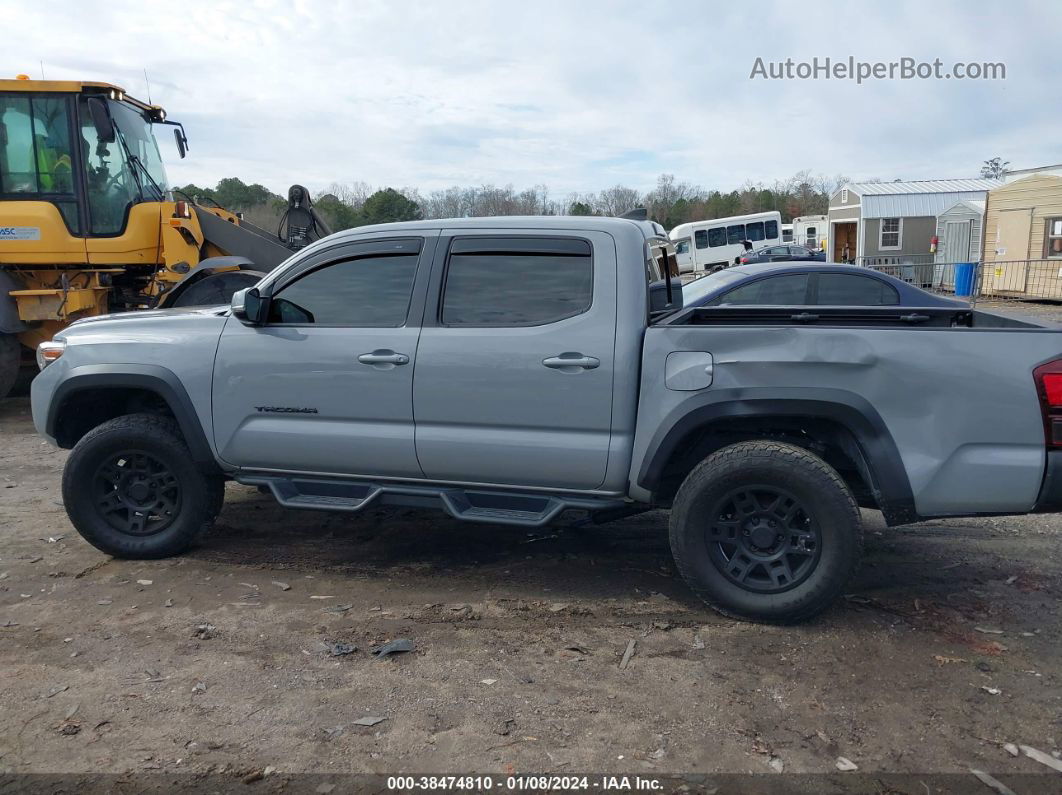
[744, 260]
[1053, 389]
[1048, 379]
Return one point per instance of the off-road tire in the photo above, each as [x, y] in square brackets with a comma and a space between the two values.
[10, 362]
[155, 438]
[827, 504]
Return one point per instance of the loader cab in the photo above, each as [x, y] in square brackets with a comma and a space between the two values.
[86, 148]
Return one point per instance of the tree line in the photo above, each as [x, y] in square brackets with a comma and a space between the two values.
[671, 202]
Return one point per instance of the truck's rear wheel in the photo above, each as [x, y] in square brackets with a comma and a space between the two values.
[10, 362]
[131, 489]
[766, 531]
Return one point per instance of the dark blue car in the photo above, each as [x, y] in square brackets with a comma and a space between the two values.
[788, 253]
[806, 284]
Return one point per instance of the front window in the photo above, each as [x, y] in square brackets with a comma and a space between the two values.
[114, 181]
[139, 138]
[35, 152]
[891, 235]
[683, 246]
[1053, 243]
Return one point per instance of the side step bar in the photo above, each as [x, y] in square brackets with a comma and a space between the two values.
[527, 509]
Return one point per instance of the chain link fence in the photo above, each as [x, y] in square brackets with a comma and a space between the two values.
[1021, 280]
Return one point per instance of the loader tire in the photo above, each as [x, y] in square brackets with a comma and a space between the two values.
[10, 362]
[766, 531]
[132, 490]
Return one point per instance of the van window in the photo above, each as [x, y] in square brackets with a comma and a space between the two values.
[683, 246]
[770, 231]
[735, 234]
[700, 237]
[717, 237]
[754, 231]
[516, 281]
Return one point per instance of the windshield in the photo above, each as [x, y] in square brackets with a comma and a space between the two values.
[699, 288]
[140, 140]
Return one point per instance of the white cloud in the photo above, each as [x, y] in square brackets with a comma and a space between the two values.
[575, 95]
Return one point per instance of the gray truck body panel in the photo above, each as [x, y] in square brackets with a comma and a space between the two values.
[948, 420]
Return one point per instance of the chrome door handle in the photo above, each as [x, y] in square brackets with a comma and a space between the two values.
[570, 362]
[383, 357]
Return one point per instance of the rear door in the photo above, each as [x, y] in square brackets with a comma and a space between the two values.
[513, 383]
[326, 385]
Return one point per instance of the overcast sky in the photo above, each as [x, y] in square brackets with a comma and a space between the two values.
[578, 94]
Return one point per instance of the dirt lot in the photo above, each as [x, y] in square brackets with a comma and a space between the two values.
[946, 648]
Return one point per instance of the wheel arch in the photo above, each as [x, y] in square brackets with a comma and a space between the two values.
[841, 427]
[103, 392]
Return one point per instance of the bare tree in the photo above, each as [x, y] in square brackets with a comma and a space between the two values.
[617, 200]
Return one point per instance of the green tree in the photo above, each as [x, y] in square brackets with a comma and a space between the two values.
[580, 208]
[388, 205]
[234, 193]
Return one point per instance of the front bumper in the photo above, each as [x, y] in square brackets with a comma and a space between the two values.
[1050, 499]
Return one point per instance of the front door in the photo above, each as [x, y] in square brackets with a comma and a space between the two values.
[326, 384]
[1009, 271]
[513, 383]
[844, 242]
[956, 241]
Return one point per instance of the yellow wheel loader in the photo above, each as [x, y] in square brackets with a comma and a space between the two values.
[89, 224]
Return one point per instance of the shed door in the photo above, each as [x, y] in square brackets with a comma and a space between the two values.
[1011, 253]
[956, 241]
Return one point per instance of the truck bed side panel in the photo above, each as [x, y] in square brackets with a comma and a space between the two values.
[959, 404]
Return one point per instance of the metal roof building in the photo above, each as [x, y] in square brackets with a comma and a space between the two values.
[894, 221]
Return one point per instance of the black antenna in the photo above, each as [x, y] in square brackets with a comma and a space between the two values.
[637, 214]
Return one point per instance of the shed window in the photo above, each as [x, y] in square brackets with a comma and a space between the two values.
[891, 234]
[1053, 244]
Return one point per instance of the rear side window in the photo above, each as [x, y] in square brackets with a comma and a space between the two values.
[368, 292]
[770, 230]
[717, 237]
[844, 289]
[774, 290]
[754, 231]
[516, 281]
[735, 233]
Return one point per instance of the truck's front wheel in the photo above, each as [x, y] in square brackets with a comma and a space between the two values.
[131, 489]
[766, 531]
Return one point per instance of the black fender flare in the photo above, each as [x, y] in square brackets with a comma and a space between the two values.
[881, 457]
[149, 377]
[205, 268]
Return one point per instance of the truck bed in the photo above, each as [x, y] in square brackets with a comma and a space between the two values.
[946, 399]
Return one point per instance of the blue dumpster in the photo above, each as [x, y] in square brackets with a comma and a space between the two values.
[965, 272]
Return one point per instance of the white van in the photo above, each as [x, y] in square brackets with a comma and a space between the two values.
[809, 231]
[709, 245]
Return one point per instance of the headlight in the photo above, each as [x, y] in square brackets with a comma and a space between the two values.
[48, 352]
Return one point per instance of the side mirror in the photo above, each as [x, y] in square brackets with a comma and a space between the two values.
[248, 306]
[101, 120]
[182, 146]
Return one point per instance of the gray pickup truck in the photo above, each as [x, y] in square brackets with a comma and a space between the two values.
[508, 370]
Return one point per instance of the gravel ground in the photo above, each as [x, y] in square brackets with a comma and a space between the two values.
[225, 661]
